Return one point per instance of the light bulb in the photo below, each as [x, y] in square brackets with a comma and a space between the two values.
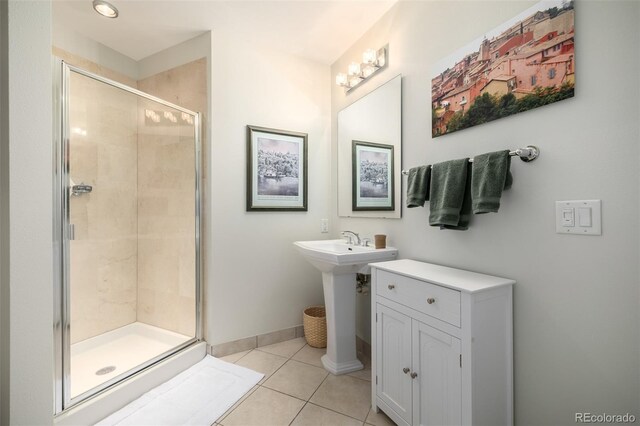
[381, 58]
[369, 56]
[354, 68]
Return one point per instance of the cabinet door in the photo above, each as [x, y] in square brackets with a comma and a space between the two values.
[437, 386]
[393, 355]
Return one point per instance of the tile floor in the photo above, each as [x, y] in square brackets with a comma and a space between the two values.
[297, 390]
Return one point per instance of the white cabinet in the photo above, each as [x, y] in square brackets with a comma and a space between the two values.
[442, 345]
[437, 389]
[394, 355]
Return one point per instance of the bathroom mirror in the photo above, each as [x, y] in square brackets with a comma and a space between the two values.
[373, 119]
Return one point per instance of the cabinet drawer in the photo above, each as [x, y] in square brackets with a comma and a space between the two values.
[434, 300]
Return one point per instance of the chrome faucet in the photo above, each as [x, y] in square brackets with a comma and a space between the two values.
[353, 238]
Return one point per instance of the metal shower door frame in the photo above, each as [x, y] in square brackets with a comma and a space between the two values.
[61, 234]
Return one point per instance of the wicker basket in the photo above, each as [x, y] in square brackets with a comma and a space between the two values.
[314, 319]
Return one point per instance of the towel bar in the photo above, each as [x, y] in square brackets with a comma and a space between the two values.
[527, 154]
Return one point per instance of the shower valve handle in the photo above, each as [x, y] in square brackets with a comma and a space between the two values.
[81, 189]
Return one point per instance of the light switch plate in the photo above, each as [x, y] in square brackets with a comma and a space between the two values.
[586, 218]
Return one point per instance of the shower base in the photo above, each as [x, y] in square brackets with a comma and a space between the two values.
[101, 358]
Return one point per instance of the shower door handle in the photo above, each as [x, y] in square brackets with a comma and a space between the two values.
[72, 232]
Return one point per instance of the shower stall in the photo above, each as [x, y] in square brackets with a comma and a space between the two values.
[127, 223]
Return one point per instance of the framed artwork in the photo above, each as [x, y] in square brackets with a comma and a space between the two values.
[372, 176]
[276, 170]
[527, 62]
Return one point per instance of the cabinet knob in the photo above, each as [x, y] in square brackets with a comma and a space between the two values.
[414, 375]
[405, 370]
[431, 300]
[391, 286]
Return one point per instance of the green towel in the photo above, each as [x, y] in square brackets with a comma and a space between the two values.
[490, 175]
[465, 210]
[418, 186]
[447, 193]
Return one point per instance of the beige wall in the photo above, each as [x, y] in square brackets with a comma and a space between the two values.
[576, 307]
[103, 256]
[166, 200]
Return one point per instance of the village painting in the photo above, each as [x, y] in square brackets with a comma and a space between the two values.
[278, 167]
[525, 63]
[372, 176]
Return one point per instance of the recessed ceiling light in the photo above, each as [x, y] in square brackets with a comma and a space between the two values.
[105, 8]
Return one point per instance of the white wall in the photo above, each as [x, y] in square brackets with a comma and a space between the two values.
[81, 45]
[4, 218]
[257, 282]
[72, 41]
[180, 54]
[26, 221]
[576, 307]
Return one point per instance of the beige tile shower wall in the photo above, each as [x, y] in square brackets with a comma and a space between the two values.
[102, 153]
[166, 201]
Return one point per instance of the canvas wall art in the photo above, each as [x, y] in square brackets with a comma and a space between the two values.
[525, 63]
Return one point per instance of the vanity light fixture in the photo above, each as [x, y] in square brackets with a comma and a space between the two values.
[372, 62]
[105, 8]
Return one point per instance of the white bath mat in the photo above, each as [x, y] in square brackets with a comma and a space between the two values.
[197, 396]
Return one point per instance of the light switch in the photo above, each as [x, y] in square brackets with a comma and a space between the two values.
[582, 217]
[568, 218]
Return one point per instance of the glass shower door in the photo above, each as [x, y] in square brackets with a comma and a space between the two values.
[130, 287]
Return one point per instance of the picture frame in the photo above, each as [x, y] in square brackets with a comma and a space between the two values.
[276, 170]
[372, 176]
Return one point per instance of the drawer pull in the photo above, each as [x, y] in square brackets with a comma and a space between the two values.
[431, 300]
[414, 375]
[406, 370]
[391, 286]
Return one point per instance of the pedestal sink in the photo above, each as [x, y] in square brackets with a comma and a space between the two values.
[339, 262]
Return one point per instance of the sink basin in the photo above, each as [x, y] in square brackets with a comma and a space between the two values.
[339, 262]
[337, 256]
